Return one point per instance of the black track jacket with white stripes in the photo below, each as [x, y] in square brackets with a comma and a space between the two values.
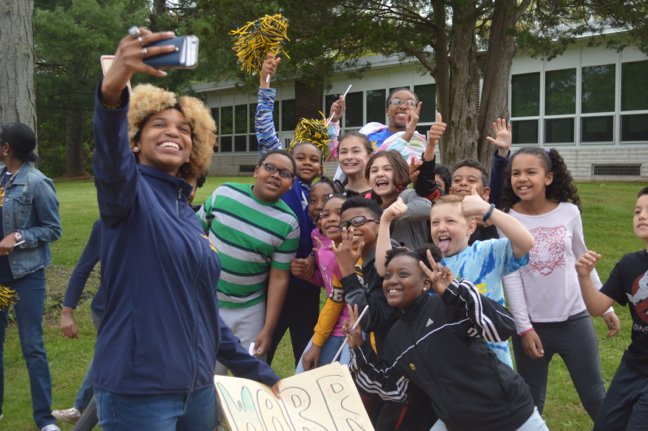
[439, 343]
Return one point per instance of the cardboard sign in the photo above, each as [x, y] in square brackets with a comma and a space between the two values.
[323, 399]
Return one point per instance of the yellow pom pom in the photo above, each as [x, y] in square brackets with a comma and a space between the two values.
[8, 297]
[257, 38]
[314, 132]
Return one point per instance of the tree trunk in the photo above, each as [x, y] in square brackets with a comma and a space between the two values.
[462, 135]
[496, 71]
[74, 128]
[17, 95]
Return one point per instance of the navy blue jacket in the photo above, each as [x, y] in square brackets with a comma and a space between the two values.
[161, 332]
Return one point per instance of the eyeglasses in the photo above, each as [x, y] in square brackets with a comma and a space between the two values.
[395, 101]
[356, 221]
[283, 173]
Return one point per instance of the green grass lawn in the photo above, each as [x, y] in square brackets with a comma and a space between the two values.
[607, 218]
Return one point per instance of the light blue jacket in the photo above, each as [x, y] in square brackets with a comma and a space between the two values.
[31, 207]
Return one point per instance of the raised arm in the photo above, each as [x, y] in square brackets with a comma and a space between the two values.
[597, 303]
[502, 141]
[114, 166]
[521, 239]
[263, 120]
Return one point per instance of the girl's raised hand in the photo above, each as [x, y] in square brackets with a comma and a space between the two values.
[337, 109]
[354, 336]
[268, 69]
[347, 252]
[439, 275]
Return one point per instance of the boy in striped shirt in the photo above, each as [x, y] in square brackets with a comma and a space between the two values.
[256, 235]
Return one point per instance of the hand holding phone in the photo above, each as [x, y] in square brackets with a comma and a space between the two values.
[185, 55]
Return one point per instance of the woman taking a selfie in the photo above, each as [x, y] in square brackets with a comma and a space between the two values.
[30, 221]
[161, 333]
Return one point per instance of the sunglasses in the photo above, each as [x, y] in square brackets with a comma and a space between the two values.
[356, 221]
[395, 101]
[283, 173]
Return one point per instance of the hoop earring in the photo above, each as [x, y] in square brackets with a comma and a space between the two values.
[5, 154]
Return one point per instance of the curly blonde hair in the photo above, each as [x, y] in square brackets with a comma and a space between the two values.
[148, 99]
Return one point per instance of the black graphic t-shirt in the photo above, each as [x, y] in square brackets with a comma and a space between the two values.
[628, 284]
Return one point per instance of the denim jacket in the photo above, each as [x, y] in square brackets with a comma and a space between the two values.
[31, 207]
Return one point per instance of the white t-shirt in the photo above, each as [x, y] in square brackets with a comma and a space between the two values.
[547, 290]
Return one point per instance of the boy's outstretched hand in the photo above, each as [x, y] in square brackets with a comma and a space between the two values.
[586, 263]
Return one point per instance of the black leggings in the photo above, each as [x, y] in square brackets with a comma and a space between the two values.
[299, 314]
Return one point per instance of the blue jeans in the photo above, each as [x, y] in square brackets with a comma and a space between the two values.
[29, 317]
[193, 411]
[329, 349]
[85, 392]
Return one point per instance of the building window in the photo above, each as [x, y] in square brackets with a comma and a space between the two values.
[597, 129]
[240, 119]
[427, 95]
[225, 144]
[597, 89]
[525, 102]
[634, 87]
[525, 131]
[288, 115]
[354, 113]
[559, 130]
[240, 143]
[560, 92]
[525, 95]
[375, 105]
[226, 120]
[634, 127]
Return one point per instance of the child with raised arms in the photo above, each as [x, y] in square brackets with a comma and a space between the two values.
[544, 296]
[471, 391]
[452, 221]
[625, 405]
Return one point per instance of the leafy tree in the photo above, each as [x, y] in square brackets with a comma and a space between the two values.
[467, 46]
[70, 38]
[69, 41]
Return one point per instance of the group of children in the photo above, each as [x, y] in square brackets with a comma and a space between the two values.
[450, 269]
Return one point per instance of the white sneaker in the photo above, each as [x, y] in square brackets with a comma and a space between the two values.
[70, 415]
[51, 427]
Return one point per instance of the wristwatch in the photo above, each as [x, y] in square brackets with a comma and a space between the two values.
[17, 235]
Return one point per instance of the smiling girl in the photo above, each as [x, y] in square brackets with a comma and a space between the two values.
[545, 296]
[388, 176]
[328, 335]
[474, 390]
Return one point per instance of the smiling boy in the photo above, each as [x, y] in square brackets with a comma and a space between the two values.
[624, 406]
[257, 235]
[452, 222]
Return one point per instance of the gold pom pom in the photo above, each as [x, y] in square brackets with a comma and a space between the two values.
[257, 38]
[314, 132]
[8, 297]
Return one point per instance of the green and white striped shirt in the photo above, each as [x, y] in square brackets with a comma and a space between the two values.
[251, 237]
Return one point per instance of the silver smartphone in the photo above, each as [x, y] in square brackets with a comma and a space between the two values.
[184, 57]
